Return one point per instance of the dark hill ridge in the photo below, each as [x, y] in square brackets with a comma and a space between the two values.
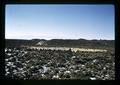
[61, 43]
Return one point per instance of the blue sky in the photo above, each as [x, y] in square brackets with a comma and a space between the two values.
[65, 21]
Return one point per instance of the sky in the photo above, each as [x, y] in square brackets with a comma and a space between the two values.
[59, 21]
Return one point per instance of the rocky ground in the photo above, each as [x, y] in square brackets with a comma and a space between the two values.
[24, 63]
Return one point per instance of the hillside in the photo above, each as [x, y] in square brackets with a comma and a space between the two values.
[81, 43]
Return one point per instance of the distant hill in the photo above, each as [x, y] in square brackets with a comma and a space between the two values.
[81, 43]
[60, 43]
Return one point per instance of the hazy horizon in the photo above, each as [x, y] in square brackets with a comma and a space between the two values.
[60, 22]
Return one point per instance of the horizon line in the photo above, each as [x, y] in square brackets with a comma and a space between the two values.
[56, 39]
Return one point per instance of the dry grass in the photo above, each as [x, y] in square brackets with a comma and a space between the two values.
[67, 48]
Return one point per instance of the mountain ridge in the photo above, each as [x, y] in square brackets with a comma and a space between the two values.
[82, 43]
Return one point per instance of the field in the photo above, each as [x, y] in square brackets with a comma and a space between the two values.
[58, 63]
